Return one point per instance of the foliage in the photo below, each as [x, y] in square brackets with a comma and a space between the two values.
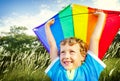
[112, 71]
[27, 66]
[16, 39]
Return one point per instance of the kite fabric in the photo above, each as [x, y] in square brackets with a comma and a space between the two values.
[79, 21]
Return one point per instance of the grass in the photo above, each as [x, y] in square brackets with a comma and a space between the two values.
[26, 75]
[112, 71]
[27, 66]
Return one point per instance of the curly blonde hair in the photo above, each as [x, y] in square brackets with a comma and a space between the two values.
[72, 40]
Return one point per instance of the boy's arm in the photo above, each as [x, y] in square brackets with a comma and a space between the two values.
[51, 40]
[94, 42]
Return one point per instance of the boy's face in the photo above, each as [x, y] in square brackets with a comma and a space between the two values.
[70, 56]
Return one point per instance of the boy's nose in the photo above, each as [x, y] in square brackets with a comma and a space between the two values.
[67, 55]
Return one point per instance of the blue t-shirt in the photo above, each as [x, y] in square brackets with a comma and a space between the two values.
[89, 71]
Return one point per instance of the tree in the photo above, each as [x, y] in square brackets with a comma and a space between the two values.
[16, 39]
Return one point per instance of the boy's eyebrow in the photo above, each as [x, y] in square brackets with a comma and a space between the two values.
[72, 51]
[62, 51]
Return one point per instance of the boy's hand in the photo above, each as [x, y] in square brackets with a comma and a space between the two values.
[50, 22]
[98, 12]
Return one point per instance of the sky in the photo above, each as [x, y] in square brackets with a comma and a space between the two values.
[32, 13]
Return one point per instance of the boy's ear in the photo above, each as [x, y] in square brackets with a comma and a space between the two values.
[83, 58]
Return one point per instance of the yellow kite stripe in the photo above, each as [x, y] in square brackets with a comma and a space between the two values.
[80, 20]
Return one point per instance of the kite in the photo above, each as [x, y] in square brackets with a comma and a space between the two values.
[79, 21]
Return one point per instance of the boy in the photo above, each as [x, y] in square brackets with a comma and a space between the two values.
[75, 63]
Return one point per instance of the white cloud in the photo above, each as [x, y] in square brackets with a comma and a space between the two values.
[107, 4]
[26, 20]
[62, 4]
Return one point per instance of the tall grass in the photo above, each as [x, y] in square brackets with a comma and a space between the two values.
[112, 70]
[27, 66]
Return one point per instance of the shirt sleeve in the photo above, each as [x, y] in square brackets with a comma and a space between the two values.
[96, 58]
[52, 67]
[93, 66]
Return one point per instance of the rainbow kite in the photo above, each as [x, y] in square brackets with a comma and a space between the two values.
[78, 21]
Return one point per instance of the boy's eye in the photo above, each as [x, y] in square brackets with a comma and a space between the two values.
[62, 52]
[72, 52]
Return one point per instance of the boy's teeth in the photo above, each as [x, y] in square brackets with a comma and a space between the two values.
[67, 63]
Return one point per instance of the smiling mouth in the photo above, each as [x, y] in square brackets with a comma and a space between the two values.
[67, 62]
